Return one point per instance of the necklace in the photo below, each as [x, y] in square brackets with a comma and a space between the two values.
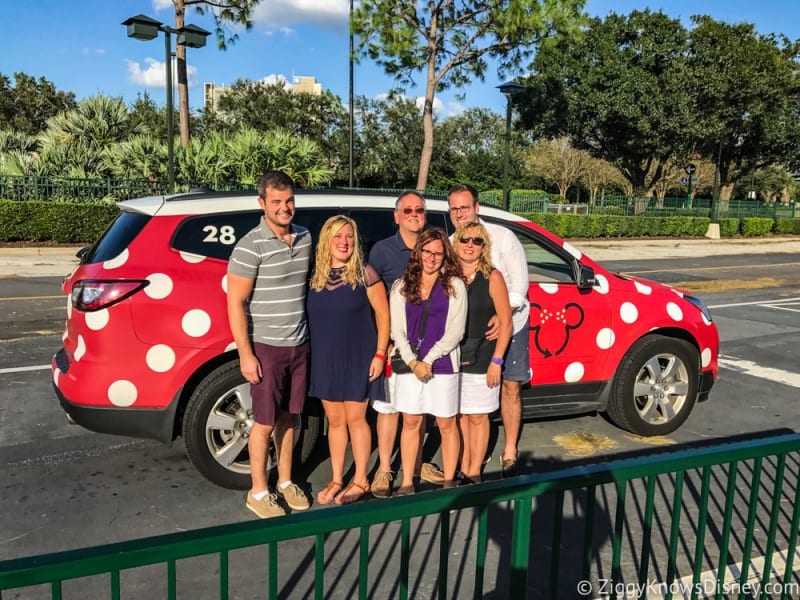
[427, 287]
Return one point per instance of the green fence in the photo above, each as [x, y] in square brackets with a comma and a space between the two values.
[713, 521]
[32, 187]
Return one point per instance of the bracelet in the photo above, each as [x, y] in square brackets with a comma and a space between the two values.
[497, 361]
[380, 356]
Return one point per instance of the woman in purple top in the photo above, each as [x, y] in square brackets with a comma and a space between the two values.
[432, 279]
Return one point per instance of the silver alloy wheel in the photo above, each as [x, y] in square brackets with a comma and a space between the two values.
[228, 428]
[661, 388]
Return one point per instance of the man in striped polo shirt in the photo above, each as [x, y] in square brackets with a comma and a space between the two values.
[267, 278]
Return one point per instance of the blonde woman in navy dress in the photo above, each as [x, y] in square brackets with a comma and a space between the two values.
[481, 359]
[432, 386]
[348, 318]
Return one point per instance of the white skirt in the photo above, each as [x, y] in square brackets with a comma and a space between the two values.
[437, 397]
[476, 397]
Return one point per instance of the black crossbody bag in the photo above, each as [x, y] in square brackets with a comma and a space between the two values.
[399, 366]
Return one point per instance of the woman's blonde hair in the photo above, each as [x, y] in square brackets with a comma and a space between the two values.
[476, 229]
[354, 267]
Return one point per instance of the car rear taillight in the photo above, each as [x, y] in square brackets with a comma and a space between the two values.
[94, 294]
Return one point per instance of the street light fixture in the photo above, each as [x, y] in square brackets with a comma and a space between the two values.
[144, 28]
[509, 89]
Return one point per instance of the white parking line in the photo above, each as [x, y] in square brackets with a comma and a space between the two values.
[748, 367]
[771, 303]
[24, 369]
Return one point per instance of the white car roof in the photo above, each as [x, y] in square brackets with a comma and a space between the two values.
[216, 202]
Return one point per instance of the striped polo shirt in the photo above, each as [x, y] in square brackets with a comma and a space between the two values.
[276, 311]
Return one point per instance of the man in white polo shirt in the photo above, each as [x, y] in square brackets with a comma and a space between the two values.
[508, 256]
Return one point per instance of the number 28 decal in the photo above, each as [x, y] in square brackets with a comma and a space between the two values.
[224, 234]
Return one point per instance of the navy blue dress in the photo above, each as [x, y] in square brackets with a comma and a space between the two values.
[343, 340]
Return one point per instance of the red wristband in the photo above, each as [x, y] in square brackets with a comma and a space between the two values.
[379, 355]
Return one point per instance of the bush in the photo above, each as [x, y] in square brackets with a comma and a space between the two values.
[61, 222]
[729, 227]
[753, 226]
[787, 226]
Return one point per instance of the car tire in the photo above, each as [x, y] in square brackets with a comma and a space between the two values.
[655, 387]
[217, 423]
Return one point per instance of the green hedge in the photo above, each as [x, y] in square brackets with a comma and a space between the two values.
[588, 226]
[61, 222]
[82, 222]
[753, 226]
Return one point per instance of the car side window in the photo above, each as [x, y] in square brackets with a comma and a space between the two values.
[544, 264]
[375, 224]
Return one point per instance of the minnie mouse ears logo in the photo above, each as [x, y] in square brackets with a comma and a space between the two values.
[552, 329]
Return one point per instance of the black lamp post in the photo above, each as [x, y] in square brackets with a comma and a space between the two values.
[509, 89]
[144, 28]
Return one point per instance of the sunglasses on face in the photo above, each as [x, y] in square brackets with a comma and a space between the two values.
[477, 241]
[417, 210]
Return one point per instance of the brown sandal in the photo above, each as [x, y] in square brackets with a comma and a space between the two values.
[327, 492]
[342, 498]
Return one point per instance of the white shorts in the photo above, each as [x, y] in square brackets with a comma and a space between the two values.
[386, 407]
[437, 397]
[476, 397]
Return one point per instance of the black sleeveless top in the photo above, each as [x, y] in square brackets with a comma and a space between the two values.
[480, 310]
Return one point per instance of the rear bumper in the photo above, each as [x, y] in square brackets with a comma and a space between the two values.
[151, 423]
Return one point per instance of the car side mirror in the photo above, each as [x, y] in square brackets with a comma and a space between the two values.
[586, 278]
[82, 252]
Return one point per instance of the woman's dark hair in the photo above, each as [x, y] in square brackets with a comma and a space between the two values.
[412, 277]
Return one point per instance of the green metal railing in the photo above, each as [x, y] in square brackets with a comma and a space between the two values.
[720, 518]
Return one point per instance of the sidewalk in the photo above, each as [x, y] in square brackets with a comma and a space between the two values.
[59, 261]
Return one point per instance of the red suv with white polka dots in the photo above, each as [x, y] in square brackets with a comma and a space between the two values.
[147, 351]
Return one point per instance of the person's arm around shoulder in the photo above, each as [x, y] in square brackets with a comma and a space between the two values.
[239, 290]
[516, 268]
[499, 294]
[376, 294]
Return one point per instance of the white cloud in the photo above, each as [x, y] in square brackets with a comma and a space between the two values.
[154, 75]
[274, 78]
[440, 109]
[281, 15]
[163, 5]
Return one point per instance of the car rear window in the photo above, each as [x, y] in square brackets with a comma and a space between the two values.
[116, 238]
[215, 235]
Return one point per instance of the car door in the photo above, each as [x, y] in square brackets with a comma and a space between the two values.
[569, 324]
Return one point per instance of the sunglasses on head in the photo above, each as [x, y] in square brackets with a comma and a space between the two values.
[477, 241]
[417, 210]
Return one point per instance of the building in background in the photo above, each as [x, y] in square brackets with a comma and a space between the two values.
[300, 84]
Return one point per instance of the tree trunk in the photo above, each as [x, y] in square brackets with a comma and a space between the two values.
[726, 191]
[427, 118]
[427, 141]
[183, 82]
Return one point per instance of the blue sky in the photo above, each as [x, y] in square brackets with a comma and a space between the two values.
[82, 47]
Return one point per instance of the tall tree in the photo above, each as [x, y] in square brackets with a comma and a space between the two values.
[451, 42]
[225, 12]
[263, 106]
[621, 92]
[469, 149]
[746, 94]
[26, 106]
[557, 161]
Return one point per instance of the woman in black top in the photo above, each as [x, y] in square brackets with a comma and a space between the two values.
[481, 359]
